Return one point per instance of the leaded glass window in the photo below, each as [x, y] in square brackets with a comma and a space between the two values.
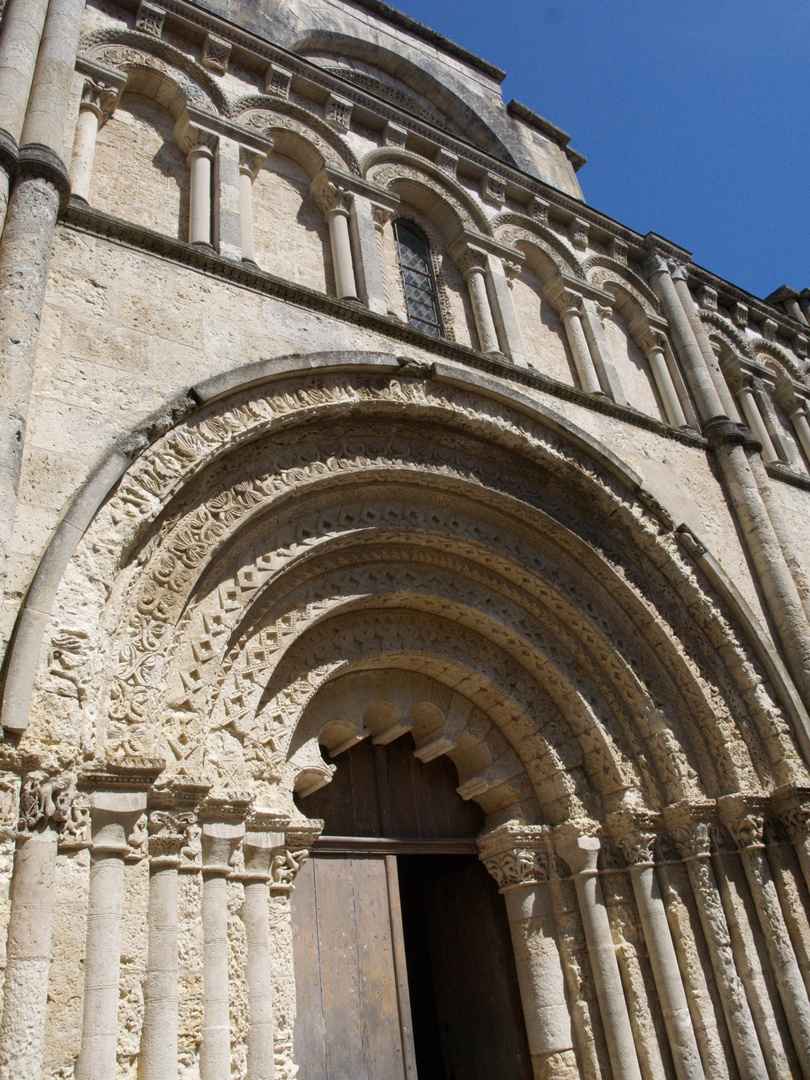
[418, 281]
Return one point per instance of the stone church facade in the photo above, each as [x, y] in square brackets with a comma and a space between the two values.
[404, 578]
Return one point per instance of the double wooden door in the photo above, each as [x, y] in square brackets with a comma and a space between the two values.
[403, 958]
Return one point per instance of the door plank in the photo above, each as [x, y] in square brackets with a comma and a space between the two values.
[378, 983]
[310, 1051]
[401, 971]
[340, 989]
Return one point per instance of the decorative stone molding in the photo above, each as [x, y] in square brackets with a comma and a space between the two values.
[150, 19]
[394, 135]
[618, 250]
[635, 836]
[338, 113]
[215, 54]
[792, 807]
[446, 161]
[493, 189]
[579, 231]
[277, 82]
[707, 298]
[690, 827]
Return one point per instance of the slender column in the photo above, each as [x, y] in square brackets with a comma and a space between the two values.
[250, 162]
[692, 839]
[199, 162]
[113, 816]
[44, 807]
[581, 853]
[219, 841]
[687, 349]
[637, 849]
[501, 274]
[520, 860]
[705, 346]
[335, 202]
[472, 264]
[793, 807]
[666, 387]
[368, 219]
[260, 848]
[744, 819]
[98, 101]
[571, 316]
[801, 426]
[753, 417]
[158, 1058]
[600, 351]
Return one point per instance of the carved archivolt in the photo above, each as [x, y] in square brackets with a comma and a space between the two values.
[322, 523]
[725, 328]
[388, 166]
[604, 272]
[130, 50]
[512, 229]
[269, 115]
[775, 356]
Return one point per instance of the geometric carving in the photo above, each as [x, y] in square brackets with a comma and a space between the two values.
[215, 54]
[149, 19]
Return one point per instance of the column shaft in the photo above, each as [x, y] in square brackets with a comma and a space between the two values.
[747, 1051]
[102, 968]
[345, 288]
[484, 323]
[23, 21]
[705, 346]
[581, 855]
[541, 980]
[507, 324]
[246, 213]
[84, 149]
[366, 224]
[199, 217]
[578, 342]
[753, 417]
[22, 1032]
[259, 975]
[600, 352]
[666, 387]
[780, 950]
[215, 1053]
[801, 426]
[666, 973]
[158, 1058]
[113, 816]
[687, 349]
[46, 117]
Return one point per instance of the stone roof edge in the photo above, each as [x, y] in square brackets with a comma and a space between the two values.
[398, 18]
[556, 134]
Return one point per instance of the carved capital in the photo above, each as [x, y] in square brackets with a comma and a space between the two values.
[99, 98]
[792, 806]
[330, 196]
[381, 215]
[511, 270]
[656, 264]
[634, 836]
[168, 834]
[251, 161]
[46, 802]
[744, 818]
[517, 854]
[580, 851]
[689, 825]
[291, 856]
[471, 261]
[678, 271]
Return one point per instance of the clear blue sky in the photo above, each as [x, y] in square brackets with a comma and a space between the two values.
[694, 114]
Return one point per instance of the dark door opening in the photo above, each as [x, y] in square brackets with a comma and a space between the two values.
[465, 1002]
[403, 955]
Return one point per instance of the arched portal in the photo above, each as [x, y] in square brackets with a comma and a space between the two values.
[352, 550]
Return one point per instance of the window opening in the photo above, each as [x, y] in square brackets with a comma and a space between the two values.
[418, 280]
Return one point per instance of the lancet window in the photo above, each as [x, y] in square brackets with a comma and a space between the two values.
[418, 278]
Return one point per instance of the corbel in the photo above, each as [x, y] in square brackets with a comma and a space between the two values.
[338, 113]
[149, 19]
[277, 82]
[216, 54]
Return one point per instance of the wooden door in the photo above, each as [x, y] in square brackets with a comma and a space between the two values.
[353, 1017]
